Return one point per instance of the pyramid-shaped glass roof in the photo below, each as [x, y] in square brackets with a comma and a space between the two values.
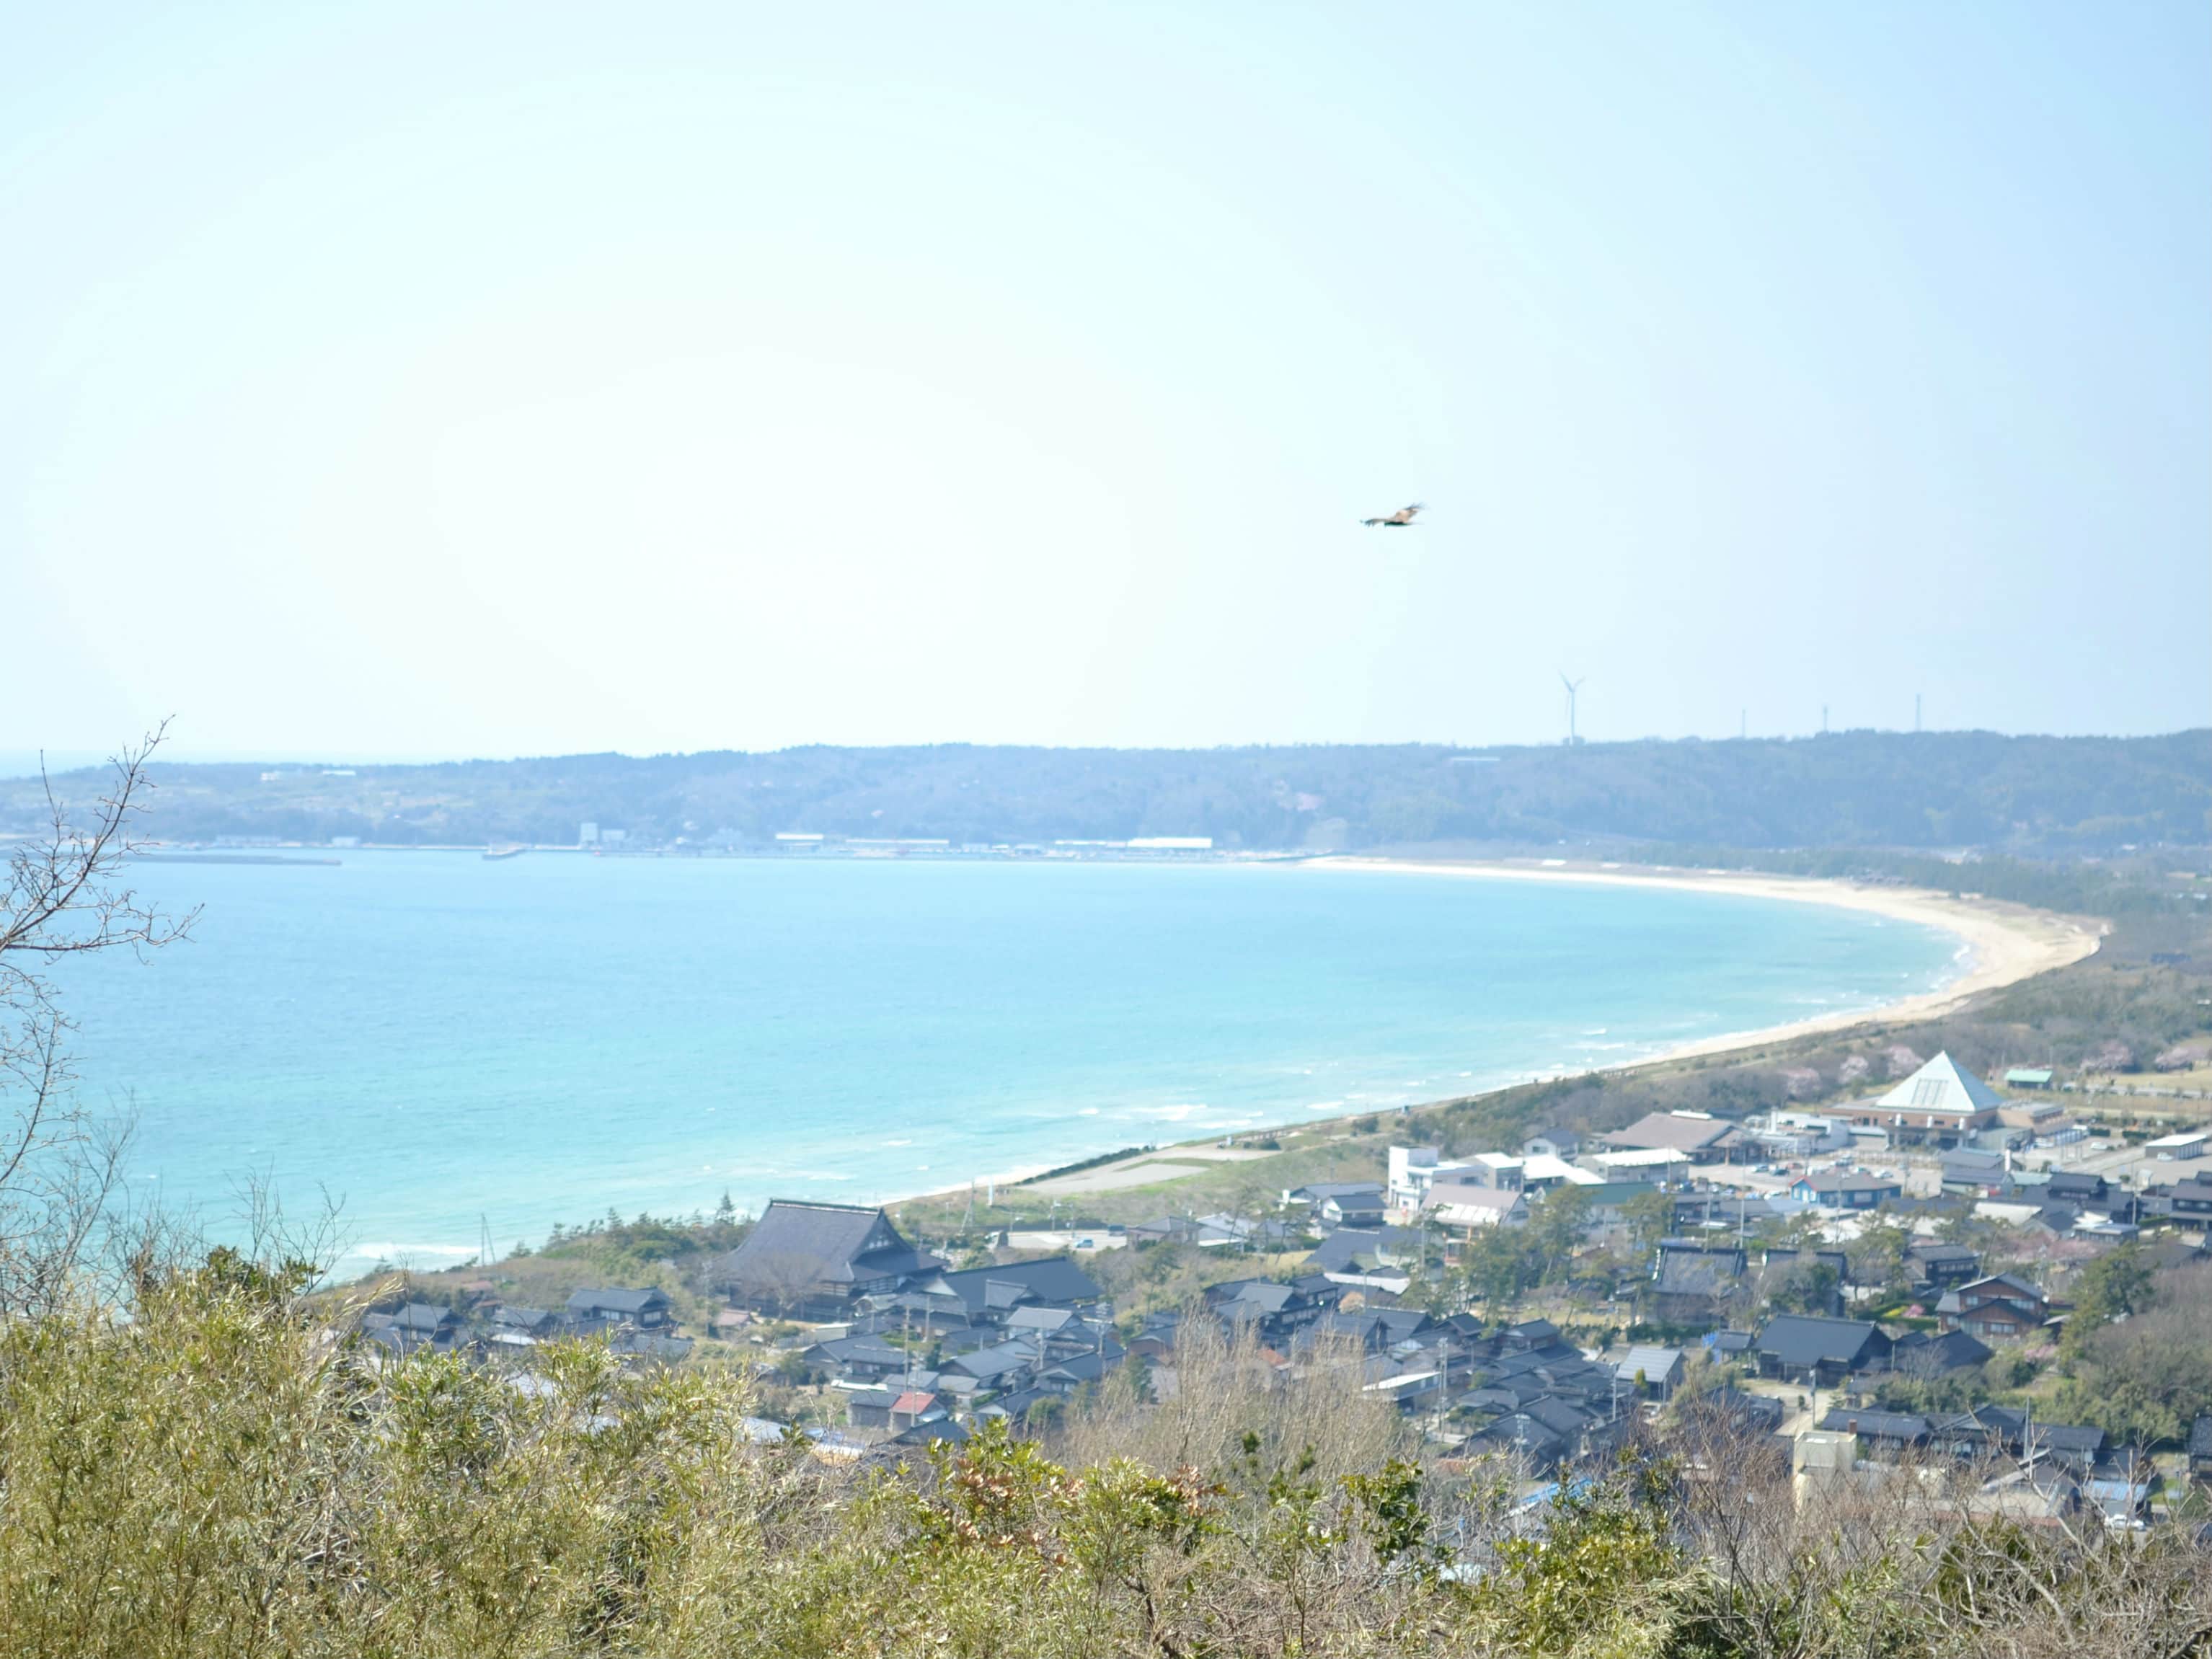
[1942, 1086]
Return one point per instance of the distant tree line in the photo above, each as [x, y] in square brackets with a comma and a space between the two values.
[1858, 790]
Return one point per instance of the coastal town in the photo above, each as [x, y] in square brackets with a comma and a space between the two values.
[1186, 832]
[1886, 1282]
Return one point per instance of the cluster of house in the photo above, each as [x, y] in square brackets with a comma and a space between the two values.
[1940, 1109]
[1524, 1388]
[2032, 1473]
[918, 1350]
[1706, 1281]
[637, 1323]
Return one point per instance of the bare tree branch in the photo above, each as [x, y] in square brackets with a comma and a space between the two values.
[63, 897]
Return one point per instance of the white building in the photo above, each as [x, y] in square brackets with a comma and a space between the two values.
[1500, 1169]
[1543, 1170]
[1801, 1134]
[1412, 1171]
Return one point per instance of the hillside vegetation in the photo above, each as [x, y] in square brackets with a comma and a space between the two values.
[1851, 790]
[223, 1472]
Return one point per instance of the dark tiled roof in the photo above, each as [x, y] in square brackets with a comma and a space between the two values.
[1039, 1319]
[988, 1362]
[616, 1300]
[1969, 1169]
[2012, 1282]
[1340, 1250]
[1362, 1327]
[937, 1428]
[2073, 1183]
[841, 1351]
[1935, 1252]
[1760, 1410]
[1083, 1367]
[1802, 1339]
[795, 1244]
[1523, 1434]
[1921, 1353]
[1557, 1416]
[1324, 1189]
[2200, 1438]
[1831, 1180]
[1553, 1356]
[1881, 1425]
[1685, 1273]
[1055, 1278]
[1263, 1296]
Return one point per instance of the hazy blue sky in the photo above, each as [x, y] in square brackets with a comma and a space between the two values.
[443, 380]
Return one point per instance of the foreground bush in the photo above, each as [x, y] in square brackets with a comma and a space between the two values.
[218, 1474]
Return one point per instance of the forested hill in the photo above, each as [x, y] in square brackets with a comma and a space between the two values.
[1933, 790]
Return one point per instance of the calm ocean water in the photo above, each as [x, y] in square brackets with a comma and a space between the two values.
[433, 1038]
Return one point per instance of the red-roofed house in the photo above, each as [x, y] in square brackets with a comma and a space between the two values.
[916, 1406]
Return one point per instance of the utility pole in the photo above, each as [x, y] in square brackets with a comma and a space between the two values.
[1443, 1384]
[1824, 719]
[1916, 711]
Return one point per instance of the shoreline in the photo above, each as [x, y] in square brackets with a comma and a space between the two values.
[2003, 944]
[2006, 942]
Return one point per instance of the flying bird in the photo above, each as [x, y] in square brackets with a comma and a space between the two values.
[1399, 520]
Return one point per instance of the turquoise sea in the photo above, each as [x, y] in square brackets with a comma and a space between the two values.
[442, 1042]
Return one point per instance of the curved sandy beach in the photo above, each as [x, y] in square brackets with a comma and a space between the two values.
[2005, 943]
